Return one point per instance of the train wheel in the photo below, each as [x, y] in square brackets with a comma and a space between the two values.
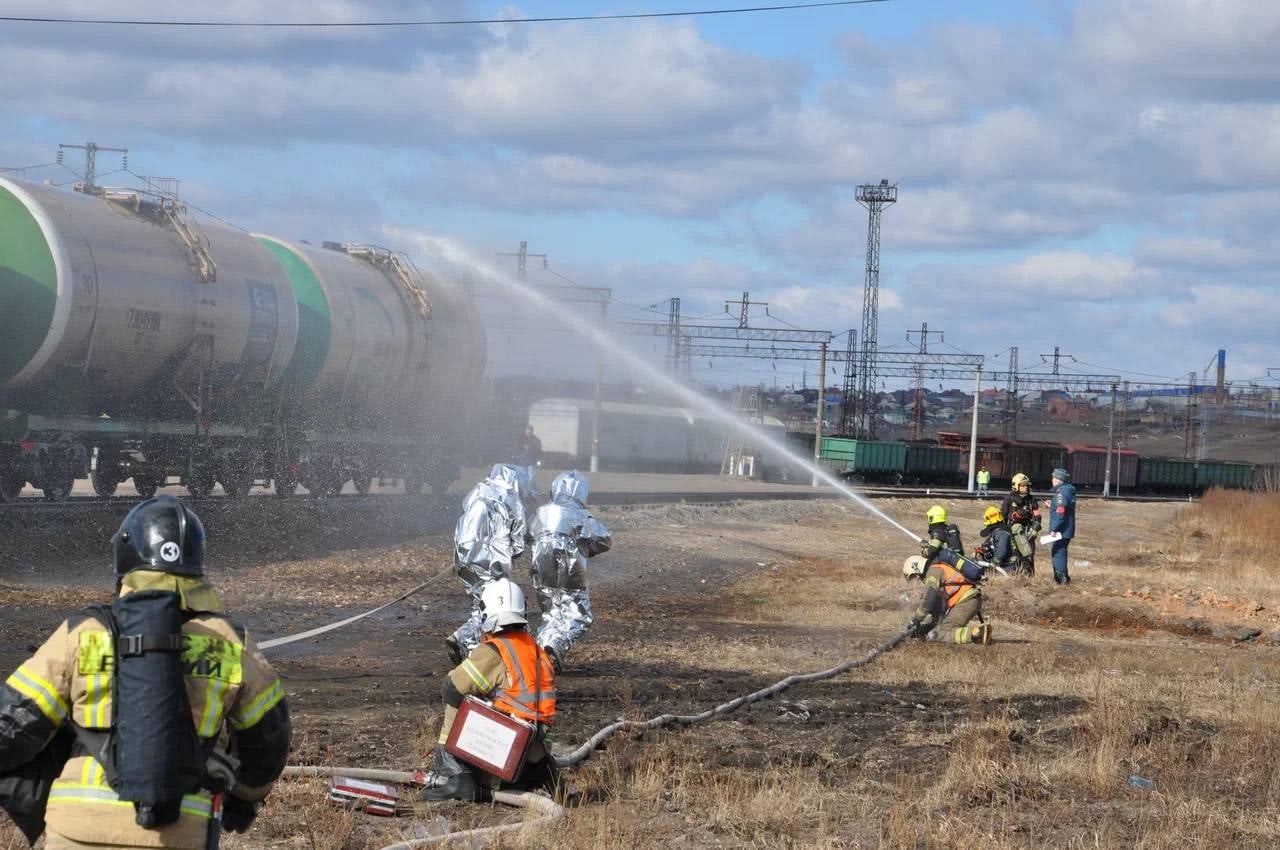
[286, 485]
[11, 484]
[60, 489]
[146, 485]
[200, 485]
[235, 484]
[104, 483]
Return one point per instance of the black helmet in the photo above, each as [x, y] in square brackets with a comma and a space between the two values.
[163, 534]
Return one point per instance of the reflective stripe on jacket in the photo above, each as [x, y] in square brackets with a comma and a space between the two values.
[230, 687]
[530, 692]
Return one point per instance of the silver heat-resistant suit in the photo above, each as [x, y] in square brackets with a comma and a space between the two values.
[489, 536]
[565, 535]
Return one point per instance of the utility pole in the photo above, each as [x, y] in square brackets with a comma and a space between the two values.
[917, 408]
[973, 428]
[598, 407]
[1111, 442]
[91, 160]
[1189, 427]
[821, 412]
[522, 259]
[875, 197]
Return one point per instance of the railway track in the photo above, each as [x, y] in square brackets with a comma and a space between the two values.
[88, 503]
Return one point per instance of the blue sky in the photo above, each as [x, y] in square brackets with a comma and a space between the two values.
[1097, 174]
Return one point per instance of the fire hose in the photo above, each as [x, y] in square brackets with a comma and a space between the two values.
[548, 809]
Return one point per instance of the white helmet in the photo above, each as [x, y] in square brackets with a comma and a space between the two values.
[502, 602]
[913, 567]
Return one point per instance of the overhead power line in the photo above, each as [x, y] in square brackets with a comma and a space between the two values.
[689, 13]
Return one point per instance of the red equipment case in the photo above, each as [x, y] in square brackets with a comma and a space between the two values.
[492, 741]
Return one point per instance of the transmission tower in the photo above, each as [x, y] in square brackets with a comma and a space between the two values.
[875, 197]
[1189, 426]
[673, 337]
[522, 259]
[917, 407]
[744, 306]
[848, 400]
[1012, 404]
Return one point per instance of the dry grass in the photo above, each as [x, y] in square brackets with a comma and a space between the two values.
[1241, 525]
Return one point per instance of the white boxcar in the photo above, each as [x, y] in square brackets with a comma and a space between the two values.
[635, 437]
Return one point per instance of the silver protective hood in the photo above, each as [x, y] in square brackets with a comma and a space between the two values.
[491, 529]
[570, 485]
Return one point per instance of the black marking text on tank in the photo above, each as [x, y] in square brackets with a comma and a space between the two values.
[264, 323]
[144, 320]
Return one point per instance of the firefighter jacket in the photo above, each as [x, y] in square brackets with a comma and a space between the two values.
[942, 535]
[945, 587]
[1062, 511]
[514, 673]
[1018, 509]
[997, 545]
[236, 699]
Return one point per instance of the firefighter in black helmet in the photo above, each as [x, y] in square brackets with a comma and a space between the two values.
[136, 723]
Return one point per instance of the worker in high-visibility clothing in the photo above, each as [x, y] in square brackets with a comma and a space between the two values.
[516, 676]
[950, 602]
[984, 481]
[150, 722]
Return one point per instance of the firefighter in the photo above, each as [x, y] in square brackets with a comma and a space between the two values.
[490, 535]
[510, 670]
[996, 547]
[136, 722]
[941, 534]
[565, 535]
[950, 601]
[1022, 514]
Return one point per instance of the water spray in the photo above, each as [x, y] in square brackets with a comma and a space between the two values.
[451, 252]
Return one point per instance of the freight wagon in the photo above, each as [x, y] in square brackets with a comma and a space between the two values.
[140, 344]
[864, 460]
[1087, 466]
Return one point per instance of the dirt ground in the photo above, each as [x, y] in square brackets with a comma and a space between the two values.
[1159, 662]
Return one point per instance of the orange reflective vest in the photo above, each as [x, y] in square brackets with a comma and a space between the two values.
[954, 585]
[530, 693]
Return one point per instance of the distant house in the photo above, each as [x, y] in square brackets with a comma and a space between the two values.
[1061, 408]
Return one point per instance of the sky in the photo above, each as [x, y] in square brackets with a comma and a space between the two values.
[1097, 175]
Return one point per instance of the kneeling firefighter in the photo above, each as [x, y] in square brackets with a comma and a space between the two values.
[951, 600]
[516, 676]
[150, 722]
[997, 544]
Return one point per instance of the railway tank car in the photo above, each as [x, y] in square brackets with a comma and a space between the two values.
[140, 345]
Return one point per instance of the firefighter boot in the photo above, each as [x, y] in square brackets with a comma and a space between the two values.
[981, 634]
[449, 779]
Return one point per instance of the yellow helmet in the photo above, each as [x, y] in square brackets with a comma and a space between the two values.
[913, 567]
[992, 515]
[936, 514]
[1020, 479]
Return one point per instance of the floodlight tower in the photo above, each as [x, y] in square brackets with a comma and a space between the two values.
[875, 197]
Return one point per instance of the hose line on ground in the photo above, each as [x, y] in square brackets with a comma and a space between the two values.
[581, 753]
[549, 811]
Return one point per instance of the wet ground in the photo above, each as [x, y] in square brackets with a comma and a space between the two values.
[695, 605]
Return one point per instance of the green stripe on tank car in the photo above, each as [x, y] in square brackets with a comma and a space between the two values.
[28, 285]
[313, 314]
